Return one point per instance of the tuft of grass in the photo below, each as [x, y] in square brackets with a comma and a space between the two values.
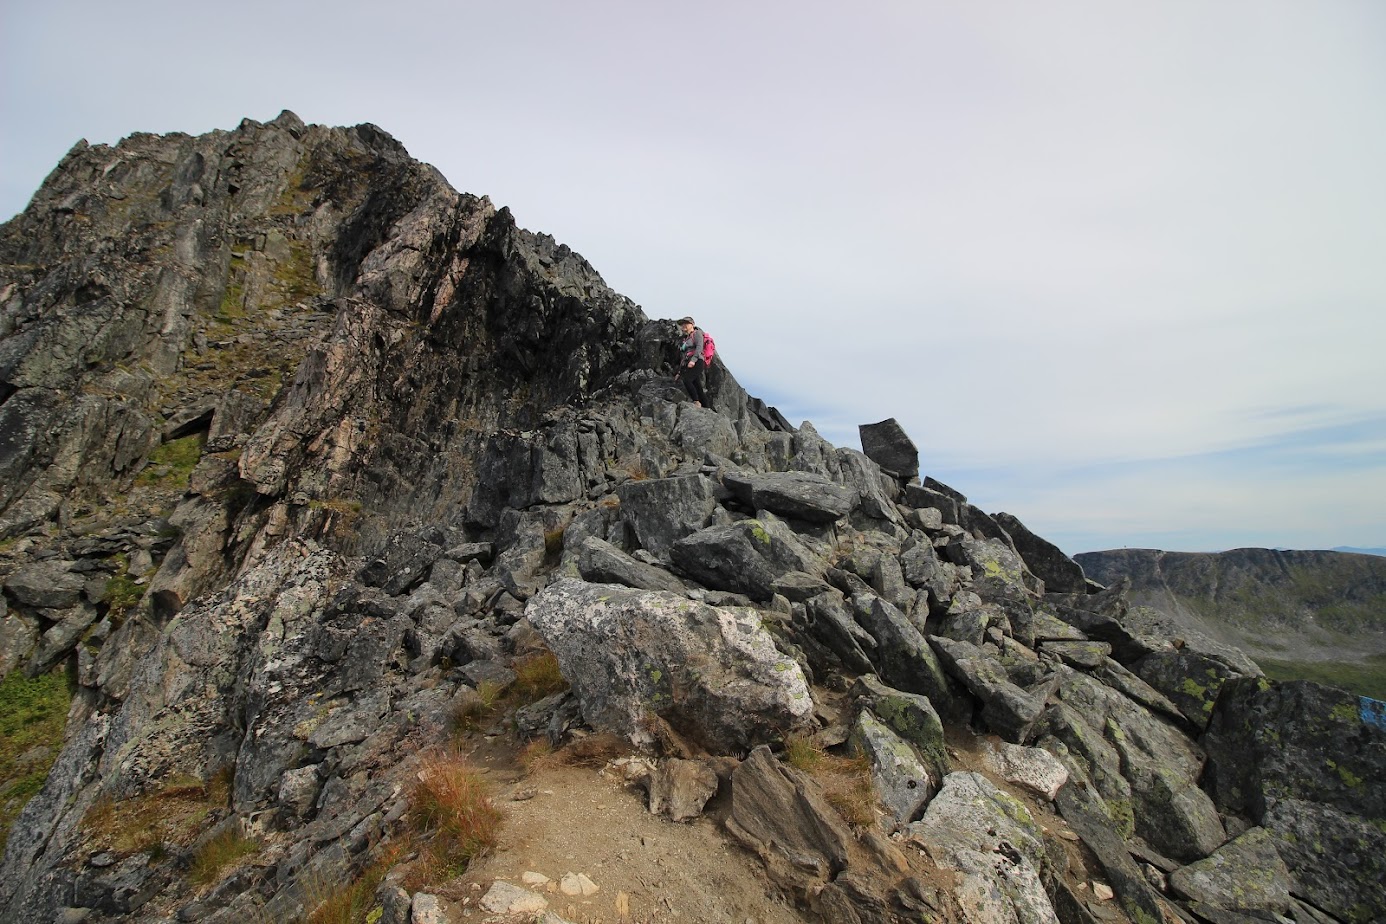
[803, 752]
[536, 755]
[477, 709]
[333, 903]
[846, 781]
[553, 542]
[537, 676]
[33, 714]
[595, 751]
[171, 816]
[450, 809]
[215, 857]
[170, 465]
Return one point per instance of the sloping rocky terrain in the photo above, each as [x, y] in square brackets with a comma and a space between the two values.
[302, 452]
[1298, 613]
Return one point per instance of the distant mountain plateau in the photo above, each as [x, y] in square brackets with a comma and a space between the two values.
[1301, 615]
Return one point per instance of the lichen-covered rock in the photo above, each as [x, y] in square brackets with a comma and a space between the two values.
[1246, 875]
[713, 675]
[910, 716]
[995, 843]
[903, 784]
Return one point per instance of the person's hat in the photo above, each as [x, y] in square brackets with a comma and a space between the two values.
[684, 321]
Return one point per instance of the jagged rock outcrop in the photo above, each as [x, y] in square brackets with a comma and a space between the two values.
[302, 452]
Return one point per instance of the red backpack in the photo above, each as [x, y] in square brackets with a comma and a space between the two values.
[708, 348]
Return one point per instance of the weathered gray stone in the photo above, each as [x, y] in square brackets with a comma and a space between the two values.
[713, 675]
[781, 815]
[744, 557]
[1034, 768]
[1337, 860]
[1246, 874]
[910, 716]
[887, 444]
[1083, 811]
[50, 585]
[803, 496]
[1007, 709]
[903, 784]
[603, 563]
[1045, 560]
[662, 511]
[902, 657]
[680, 788]
[993, 841]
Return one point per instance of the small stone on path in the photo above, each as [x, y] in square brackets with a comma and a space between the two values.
[506, 898]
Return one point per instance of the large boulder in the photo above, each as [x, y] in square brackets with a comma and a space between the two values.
[744, 557]
[903, 784]
[1245, 875]
[1060, 573]
[633, 657]
[990, 838]
[662, 511]
[784, 818]
[803, 496]
[887, 444]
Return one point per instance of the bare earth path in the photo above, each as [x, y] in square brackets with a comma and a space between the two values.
[565, 819]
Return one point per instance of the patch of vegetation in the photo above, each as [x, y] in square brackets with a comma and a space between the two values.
[451, 811]
[170, 465]
[333, 903]
[553, 542]
[846, 781]
[214, 858]
[477, 709]
[33, 713]
[1365, 678]
[537, 676]
[172, 816]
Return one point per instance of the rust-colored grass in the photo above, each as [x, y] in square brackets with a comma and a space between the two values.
[451, 809]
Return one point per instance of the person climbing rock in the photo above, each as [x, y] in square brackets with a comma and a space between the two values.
[695, 356]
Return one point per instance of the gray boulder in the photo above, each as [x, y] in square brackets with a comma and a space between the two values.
[1006, 709]
[1046, 560]
[1245, 875]
[910, 716]
[782, 816]
[662, 511]
[903, 784]
[902, 656]
[994, 843]
[712, 675]
[887, 444]
[603, 563]
[744, 557]
[805, 496]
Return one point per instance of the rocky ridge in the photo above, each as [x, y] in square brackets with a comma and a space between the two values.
[301, 449]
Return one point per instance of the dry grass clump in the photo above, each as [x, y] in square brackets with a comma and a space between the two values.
[477, 708]
[595, 751]
[219, 854]
[334, 903]
[846, 781]
[172, 816]
[537, 676]
[450, 809]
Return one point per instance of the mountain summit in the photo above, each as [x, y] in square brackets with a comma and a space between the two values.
[309, 464]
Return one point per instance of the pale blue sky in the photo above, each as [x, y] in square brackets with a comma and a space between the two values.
[1119, 269]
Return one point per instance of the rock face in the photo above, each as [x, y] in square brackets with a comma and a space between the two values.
[302, 453]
